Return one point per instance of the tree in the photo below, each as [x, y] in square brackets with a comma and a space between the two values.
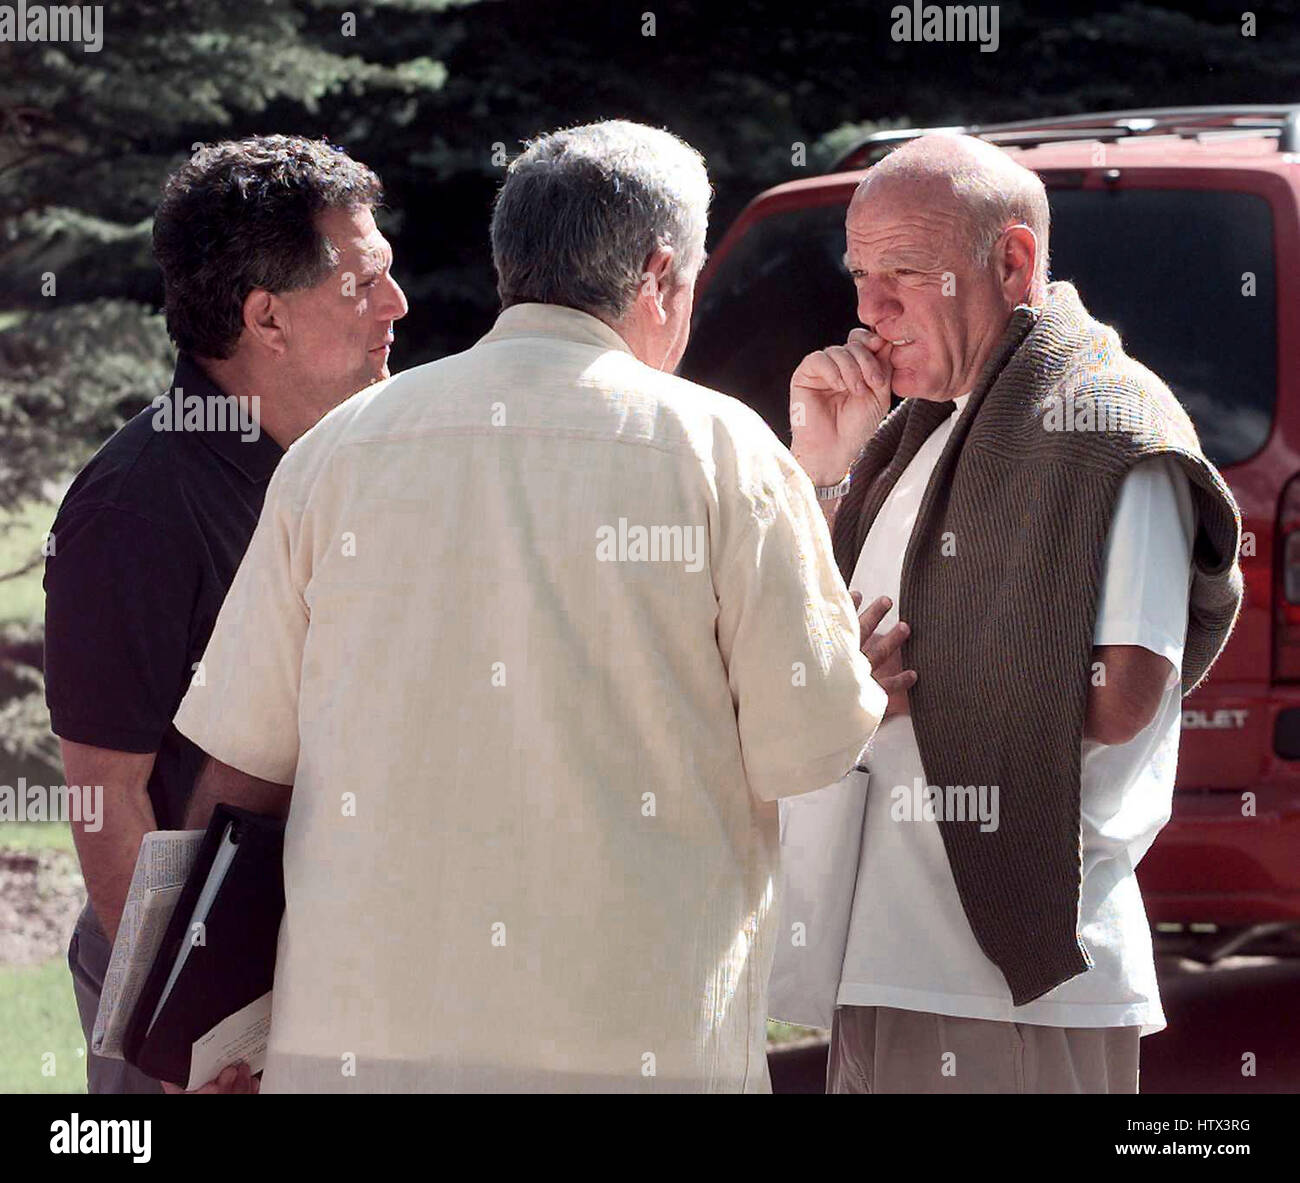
[437, 95]
[86, 139]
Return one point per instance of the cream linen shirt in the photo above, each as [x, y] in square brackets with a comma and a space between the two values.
[538, 634]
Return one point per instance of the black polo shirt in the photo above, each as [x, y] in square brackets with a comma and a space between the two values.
[145, 546]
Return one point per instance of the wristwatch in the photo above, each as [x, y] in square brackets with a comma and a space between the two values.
[832, 492]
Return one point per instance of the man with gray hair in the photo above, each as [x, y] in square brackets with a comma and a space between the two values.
[1055, 593]
[536, 635]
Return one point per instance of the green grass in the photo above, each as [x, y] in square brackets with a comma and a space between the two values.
[38, 1010]
[21, 533]
[40, 1033]
[36, 836]
[788, 1033]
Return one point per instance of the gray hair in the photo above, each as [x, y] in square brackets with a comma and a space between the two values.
[581, 209]
[992, 189]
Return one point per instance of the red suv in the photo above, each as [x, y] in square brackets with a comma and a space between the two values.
[1180, 227]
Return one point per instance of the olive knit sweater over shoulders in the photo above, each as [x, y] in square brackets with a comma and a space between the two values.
[1000, 584]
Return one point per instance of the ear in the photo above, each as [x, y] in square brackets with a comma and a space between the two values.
[1017, 259]
[266, 319]
[655, 275]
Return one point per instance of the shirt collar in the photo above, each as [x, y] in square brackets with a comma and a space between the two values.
[256, 458]
[554, 320]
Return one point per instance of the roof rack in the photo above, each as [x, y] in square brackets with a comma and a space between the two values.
[1282, 121]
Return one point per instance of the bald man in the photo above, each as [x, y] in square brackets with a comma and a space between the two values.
[1046, 564]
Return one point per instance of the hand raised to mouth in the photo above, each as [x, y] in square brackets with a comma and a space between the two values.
[838, 396]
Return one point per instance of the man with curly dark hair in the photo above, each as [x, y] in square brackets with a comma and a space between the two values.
[280, 301]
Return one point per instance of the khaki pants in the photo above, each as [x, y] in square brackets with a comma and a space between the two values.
[88, 954]
[877, 1049]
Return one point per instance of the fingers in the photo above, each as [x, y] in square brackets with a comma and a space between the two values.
[878, 347]
[871, 367]
[242, 1082]
[880, 649]
[856, 597]
[223, 1083]
[883, 652]
[851, 367]
[870, 620]
[817, 371]
[234, 1078]
[868, 337]
[894, 683]
[850, 370]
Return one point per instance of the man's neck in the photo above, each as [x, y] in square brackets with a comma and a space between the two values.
[279, 418]
[647, 345]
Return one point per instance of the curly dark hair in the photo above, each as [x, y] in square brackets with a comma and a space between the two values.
[240, 215]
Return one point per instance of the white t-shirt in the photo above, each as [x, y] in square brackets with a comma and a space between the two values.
[910, 945]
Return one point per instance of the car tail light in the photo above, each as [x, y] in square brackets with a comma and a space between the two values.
[1286, 634]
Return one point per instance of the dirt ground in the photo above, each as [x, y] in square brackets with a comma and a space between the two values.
[41, 893]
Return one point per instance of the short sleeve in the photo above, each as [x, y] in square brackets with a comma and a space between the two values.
[120, 595]
[242, 708]
[805, 701]
[1148, 560]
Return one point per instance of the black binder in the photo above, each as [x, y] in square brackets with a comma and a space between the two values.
[235, 963]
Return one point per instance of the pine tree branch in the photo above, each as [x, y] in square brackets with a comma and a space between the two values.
[35, 561]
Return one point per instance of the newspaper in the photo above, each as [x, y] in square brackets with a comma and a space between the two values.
[165, 859]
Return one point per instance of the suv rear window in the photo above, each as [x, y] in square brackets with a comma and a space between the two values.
[1163, 266]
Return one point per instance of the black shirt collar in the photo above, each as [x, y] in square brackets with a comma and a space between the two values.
[255, 458]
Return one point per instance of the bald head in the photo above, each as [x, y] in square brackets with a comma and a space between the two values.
[945, 238]
[971, 180]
